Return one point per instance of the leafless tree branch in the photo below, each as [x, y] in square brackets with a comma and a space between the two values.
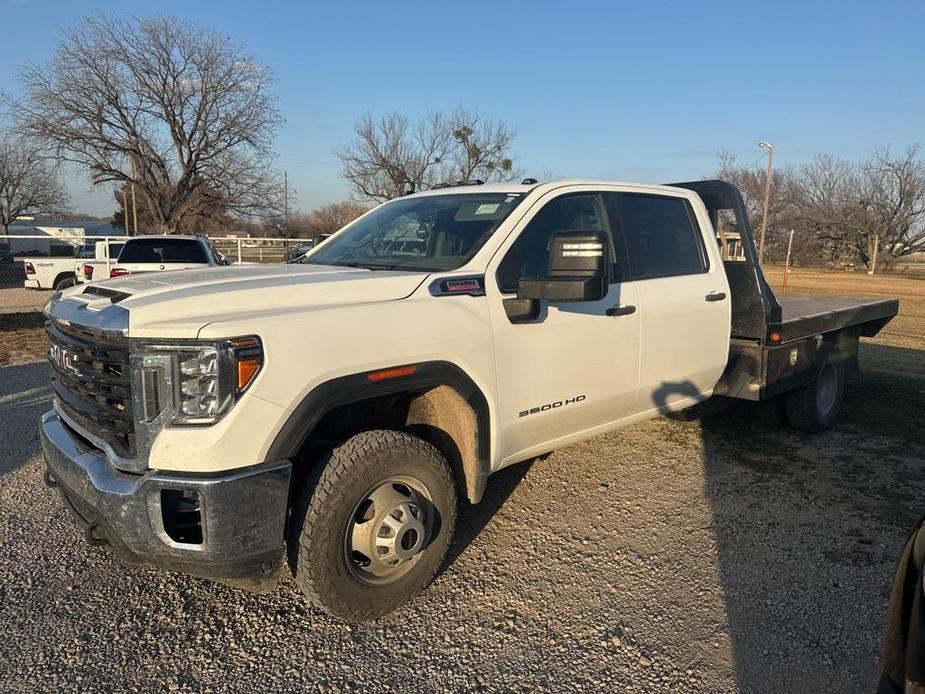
[391, 155]
[29, 182]
[186, 106]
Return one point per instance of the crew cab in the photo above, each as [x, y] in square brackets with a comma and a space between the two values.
[329, 414]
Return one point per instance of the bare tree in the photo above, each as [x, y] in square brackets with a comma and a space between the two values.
[892, 206]
[750, 180]
[391, 156]
[481, 147]
[209, 217]
[826, 196]
[29, 182]
[326, 219]
[855, 206]
[178, 109]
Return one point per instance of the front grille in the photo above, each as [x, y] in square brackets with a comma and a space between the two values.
[92, 384]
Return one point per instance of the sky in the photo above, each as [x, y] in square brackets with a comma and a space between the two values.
[634, 91]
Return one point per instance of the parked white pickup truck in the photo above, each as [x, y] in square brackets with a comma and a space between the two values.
[96, 260]
[219, 421]
[139, 254]
[143, 254]
[49, 272]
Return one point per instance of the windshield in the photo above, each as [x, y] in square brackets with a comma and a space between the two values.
[430, 233]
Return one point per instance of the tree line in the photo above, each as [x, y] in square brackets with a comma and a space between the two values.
[840, 210]
[186, 118]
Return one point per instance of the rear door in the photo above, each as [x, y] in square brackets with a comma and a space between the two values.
[573, 368]
[158, 254]
[667, 242]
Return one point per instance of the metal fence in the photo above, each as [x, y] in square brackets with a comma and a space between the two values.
[32, 267]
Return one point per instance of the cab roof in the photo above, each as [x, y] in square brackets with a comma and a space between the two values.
[172, 237]
[513, 187]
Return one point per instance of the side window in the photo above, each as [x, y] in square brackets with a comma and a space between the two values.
[661, 236]
[529, 256]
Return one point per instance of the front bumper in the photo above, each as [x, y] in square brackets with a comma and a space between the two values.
[241, 515]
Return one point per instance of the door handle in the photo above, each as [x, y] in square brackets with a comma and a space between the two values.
[716, 296]
[621, 310]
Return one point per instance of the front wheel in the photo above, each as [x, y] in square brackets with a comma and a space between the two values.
[373, 524]
[814, 406]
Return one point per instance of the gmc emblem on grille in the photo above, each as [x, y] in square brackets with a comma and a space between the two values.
[64, 359]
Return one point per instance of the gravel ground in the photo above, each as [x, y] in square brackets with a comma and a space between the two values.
[719, 557]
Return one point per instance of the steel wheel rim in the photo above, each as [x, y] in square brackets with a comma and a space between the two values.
[826, 389]
[388, 530]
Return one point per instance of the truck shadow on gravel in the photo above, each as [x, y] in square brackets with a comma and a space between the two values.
[808, 529]
[25, 394]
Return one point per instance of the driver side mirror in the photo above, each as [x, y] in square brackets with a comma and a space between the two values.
[578, 270]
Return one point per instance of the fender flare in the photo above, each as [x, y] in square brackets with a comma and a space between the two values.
[352, 388]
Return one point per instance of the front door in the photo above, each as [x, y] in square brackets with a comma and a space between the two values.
[574, 367]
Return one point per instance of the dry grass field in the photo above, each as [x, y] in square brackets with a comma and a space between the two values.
[906, 330]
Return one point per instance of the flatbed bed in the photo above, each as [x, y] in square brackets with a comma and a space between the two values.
[804, 315]
[777, 343]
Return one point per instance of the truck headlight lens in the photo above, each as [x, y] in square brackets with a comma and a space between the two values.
[207, 379]
[202, 394]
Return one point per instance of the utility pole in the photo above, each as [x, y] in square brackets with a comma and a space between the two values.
[134, 205]
[286, 200]
[767, 200]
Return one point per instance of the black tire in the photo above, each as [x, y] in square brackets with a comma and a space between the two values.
[814, 406]
[64, 281]
[326, 567]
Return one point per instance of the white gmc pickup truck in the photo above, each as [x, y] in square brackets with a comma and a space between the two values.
[328, 414]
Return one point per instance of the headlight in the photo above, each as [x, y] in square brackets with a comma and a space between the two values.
[192, 383]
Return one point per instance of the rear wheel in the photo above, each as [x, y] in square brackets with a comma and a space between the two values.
[64, 281]
[815, 406]
[373, 524]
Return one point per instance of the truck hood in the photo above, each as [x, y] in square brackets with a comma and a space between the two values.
[179, 303]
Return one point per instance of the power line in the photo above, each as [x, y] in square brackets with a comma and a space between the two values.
[763, 155]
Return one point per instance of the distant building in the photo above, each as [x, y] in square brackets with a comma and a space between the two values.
[63, 236]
